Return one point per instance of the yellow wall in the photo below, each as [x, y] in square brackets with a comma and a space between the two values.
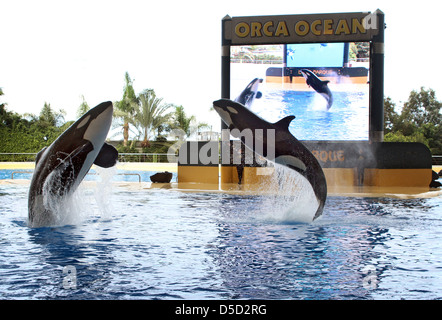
[340, 177]
[200, 174]
[229, 174]
[398, 177]
[335, 177]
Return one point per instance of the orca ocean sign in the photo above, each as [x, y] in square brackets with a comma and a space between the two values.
[341, 32]
[311, 28]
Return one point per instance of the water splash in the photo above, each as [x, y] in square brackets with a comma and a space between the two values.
[291, 199]
[318, 103]
[66, 207]
[103, 191]
[74, 207]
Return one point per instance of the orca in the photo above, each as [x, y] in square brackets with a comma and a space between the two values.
[288, 150]
[318, 85]
[291, 53]
[434, 177]
[60, 168]
[248, 95]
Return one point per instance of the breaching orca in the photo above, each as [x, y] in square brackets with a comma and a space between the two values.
[248, 95]
[61, 167]
[318, 85]
[290, 53]
[288, 150]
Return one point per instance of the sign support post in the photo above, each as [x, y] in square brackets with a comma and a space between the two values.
[376, 111]
[225, 61]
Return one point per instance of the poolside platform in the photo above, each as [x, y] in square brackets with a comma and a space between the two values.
[234, 188]
[352, 192]
[130, 166]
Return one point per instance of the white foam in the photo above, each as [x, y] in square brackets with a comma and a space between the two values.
[292, 200]
[75, 207]
[318, 103]
[103, 191]
[66, 209]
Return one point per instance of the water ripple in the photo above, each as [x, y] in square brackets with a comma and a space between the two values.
[173, 245]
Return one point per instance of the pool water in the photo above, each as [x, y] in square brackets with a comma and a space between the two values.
[93, 175]
[347, 119]
[135, 243]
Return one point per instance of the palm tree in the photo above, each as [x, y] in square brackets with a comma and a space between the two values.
[182, 121]
[125, 108]
[186, 123]
[150, 115]
[83, 108]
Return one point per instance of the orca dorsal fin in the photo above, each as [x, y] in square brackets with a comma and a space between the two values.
[107, 157]
[284, 122]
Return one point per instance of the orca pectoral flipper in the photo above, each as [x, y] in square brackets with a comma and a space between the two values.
[107, 157]
[39, 154]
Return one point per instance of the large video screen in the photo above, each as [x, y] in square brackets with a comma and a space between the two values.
[326, 86]
[315, 54]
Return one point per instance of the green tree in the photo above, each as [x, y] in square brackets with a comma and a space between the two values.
[150, 115]
[433, 134]
[9, 119]
[2, 105]
[400, 137]
[186, 123]
[420, 120]
[390, 115]
[29, 135]
[49, 117]
[182, 121]
[83, 108]
[125, 108]
[422, 107]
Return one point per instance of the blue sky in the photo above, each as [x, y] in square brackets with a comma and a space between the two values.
[56, 51]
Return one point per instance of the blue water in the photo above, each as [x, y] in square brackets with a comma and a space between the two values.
[165, 244]
[121, 175]
[347, 119]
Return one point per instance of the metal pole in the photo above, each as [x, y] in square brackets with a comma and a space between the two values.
[376, 113]
[225, 61]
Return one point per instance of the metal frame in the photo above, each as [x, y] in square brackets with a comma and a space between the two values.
[374, 24]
